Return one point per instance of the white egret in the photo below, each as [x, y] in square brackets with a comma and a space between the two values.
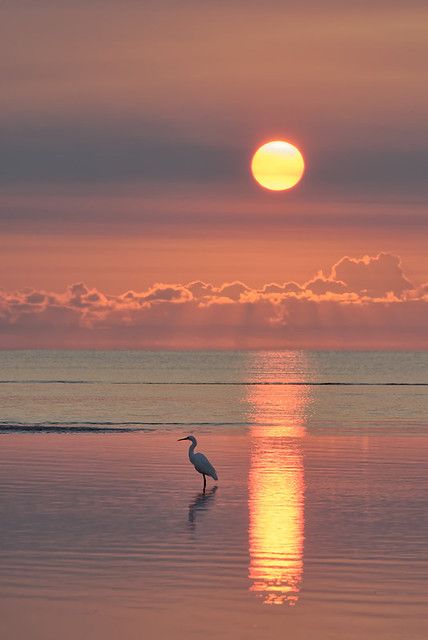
[199, 461]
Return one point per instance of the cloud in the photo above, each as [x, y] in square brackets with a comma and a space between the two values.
[145, 152]
[322, 285]
[167, 293]
[363, 303]
[200, 289]
[375, 276]
[73, 152]
[207, 292]
[233, 290]
[287, 287]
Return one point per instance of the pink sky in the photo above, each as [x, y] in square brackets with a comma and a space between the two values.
[126, 134]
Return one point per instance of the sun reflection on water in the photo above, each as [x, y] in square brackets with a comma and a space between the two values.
[276, 491]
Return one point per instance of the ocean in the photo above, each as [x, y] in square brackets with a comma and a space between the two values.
[315, 528]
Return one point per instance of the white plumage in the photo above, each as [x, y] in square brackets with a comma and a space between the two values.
[199, 461]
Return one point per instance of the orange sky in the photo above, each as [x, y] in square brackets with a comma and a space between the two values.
[127, 132]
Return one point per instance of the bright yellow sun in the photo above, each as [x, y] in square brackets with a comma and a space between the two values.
[277, 165]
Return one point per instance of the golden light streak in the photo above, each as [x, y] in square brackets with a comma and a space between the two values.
[276, 493]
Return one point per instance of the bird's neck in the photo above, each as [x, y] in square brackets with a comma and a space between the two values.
[191, 451]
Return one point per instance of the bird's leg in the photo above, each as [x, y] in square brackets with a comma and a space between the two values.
[205, 482]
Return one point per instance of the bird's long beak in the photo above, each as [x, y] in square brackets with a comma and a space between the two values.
[179, 439]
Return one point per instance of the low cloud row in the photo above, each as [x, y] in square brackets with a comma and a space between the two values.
[363, 302]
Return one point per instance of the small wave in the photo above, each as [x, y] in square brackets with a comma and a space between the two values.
[104, 427]
[56, 382]
[288, 383]
[18, 428]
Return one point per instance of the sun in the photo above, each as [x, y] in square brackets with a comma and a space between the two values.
[277, 165]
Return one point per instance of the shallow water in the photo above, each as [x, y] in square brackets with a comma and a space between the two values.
[316, 528]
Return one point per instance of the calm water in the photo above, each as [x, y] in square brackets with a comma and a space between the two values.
[316, 528]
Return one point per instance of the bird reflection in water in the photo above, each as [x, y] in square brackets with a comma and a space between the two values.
[276, 493]
[201, 503]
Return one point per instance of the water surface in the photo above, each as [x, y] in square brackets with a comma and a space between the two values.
[316, 528]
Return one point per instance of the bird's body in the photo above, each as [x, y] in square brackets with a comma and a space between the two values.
[200, 462]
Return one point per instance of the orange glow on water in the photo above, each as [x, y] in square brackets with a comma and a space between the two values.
[276, 494]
